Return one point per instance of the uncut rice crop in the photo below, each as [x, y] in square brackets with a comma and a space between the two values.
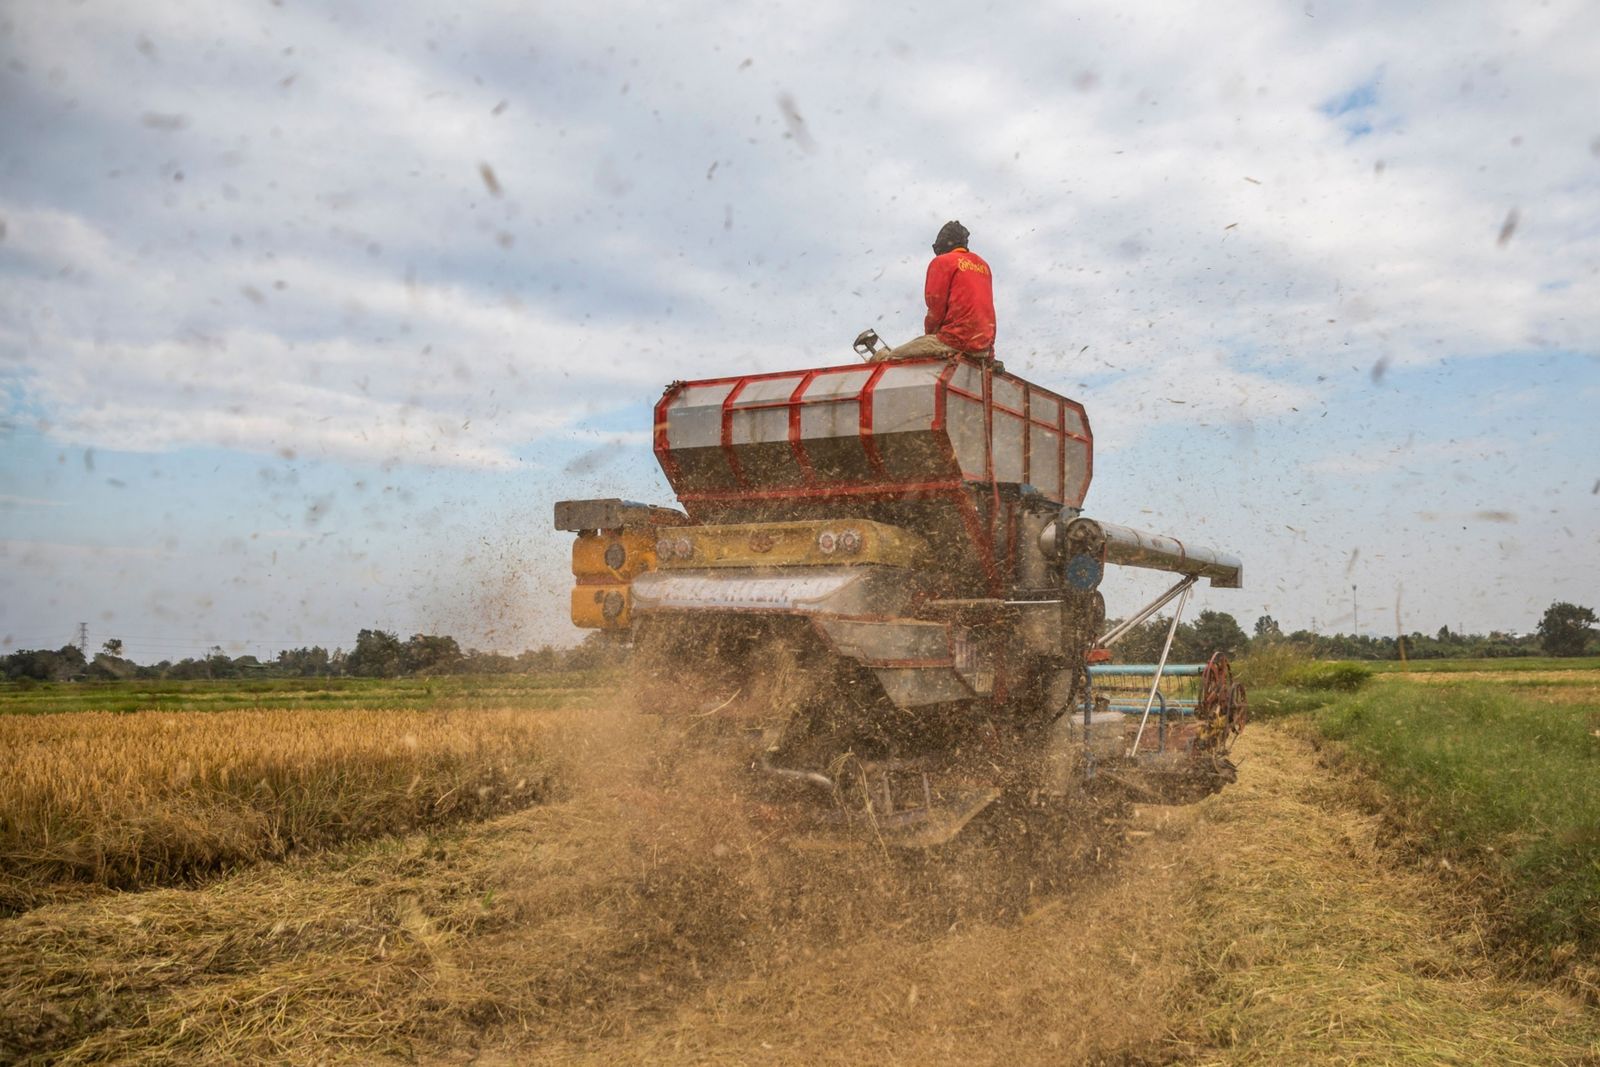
[160, 797]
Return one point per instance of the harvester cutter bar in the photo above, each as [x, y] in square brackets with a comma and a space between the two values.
[920, 821]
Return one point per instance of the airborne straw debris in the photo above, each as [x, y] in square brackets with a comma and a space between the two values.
[490, 182]
[795, 122]
[1507, 228]
[156, 120]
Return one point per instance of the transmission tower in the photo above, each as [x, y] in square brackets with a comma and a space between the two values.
[83, 639]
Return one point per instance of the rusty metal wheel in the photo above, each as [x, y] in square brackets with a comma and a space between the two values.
[1221, 707]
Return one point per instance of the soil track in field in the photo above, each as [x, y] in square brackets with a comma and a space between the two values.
[655, 915]
[1262, 925]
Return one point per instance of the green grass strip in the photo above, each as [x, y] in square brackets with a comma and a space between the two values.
[1499, 776]
[550, 690]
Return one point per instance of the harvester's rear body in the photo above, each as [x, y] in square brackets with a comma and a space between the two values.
[882, 578]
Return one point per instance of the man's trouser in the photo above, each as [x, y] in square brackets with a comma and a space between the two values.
[926, 345]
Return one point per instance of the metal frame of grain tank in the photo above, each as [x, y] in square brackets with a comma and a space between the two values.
[800, 444]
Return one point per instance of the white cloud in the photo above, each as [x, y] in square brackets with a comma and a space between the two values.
[341, 363]
[331, 274]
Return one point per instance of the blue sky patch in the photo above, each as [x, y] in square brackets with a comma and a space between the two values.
[1355, 109]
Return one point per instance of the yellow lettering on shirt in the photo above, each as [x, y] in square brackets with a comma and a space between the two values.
[971, 264]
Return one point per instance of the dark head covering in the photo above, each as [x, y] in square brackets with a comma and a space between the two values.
[952, 235]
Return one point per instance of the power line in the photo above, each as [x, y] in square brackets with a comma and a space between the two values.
[156, 648]
[181, 642]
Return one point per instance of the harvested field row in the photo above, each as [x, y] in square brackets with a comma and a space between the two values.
[1495, 668]
[1312, 942]
[159, 797]
[1264, 925]
[1524, 679]
[1500, 781]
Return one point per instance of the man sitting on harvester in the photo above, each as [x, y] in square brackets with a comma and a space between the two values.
[960, 296]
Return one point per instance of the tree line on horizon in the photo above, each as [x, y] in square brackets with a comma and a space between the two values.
[1565, 630]
[375, 654]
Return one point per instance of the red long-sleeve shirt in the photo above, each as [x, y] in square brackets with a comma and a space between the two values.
[960, 294]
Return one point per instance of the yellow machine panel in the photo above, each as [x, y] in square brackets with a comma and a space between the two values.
[790, 544]
[602, 607]
[604, 562]
[614, 555]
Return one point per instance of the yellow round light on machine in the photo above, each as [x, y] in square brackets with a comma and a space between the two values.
[611, 606]
[616, 555]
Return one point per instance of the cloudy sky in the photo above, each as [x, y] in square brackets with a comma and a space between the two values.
[309, 311]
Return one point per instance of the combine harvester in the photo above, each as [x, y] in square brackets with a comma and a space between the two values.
[882, 579]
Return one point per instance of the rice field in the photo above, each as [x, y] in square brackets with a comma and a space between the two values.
[511, 879]
[131, 799]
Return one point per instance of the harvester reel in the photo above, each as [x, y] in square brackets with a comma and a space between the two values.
[1221, 709]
